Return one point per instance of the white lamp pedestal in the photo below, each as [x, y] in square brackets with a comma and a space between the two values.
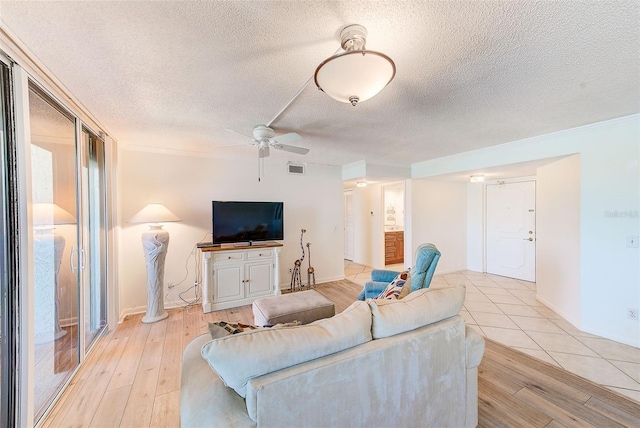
[155, 242]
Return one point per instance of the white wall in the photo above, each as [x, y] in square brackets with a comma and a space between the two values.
[475, 227]
[558, 237]
[438, 216]
[187, 184]
[610, 183]
[369, 226]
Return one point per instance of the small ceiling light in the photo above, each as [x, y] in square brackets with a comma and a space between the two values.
[479, 178]
[361, 184]
[356, 74]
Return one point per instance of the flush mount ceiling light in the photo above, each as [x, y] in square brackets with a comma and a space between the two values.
[356, 74]
[479, 178]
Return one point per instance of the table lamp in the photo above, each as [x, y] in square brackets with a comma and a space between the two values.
[48, 247]
[155, 242]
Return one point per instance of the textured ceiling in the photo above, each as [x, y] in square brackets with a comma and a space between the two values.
[470, 74]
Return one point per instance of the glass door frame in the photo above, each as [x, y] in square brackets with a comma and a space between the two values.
[9, 305]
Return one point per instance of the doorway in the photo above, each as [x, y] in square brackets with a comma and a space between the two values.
[510, 230]
[393, 209]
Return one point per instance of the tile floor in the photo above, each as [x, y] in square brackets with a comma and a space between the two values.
[506, 310]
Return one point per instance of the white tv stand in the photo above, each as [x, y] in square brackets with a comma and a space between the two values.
[235, 275]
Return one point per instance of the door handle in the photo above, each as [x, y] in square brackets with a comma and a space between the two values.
[527, 239]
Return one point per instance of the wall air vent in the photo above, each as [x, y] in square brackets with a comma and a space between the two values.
[296, 168]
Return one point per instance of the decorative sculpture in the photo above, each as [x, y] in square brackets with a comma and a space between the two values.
[155, 242]
[311, 272]
[296, 279]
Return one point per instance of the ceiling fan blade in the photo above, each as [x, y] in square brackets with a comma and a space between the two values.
[292, 149]
[291, 137]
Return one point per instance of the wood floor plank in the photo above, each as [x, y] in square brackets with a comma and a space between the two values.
[139, 407]
[109, 413]
[92, 360]
[521, 413]
[190, 323]
[612, 412]
[563, 416]
[496, 378]
[85, 404]
[166, 411]
[168, 376]
[520, 372]
[127, 367]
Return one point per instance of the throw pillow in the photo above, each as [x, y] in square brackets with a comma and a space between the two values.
[422, 307]
[222, 328]
[394, 288]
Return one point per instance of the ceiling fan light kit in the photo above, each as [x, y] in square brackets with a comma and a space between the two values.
[356, 74]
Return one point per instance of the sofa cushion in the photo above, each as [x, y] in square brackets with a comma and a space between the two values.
[420, 308]
[240, 357]
[395, 287]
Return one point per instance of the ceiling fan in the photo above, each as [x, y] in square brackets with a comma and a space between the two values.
[265, 138]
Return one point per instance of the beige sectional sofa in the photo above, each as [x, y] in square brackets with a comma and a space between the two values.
[409, 362]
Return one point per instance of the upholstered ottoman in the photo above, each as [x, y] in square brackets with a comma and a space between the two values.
[304, 306]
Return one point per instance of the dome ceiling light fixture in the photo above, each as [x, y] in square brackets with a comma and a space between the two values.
[356, 74]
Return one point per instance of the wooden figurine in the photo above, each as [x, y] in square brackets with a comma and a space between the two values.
[296, 279]
[311, 272]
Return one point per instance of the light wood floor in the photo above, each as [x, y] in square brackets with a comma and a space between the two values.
[132, 379]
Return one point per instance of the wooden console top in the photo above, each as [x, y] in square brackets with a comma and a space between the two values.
[208, 246]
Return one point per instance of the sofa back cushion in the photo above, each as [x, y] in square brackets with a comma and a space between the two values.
[240, 357]
[418, 309]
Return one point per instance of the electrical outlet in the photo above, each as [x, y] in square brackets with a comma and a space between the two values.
[290, 270]
[632, 313]
[632, 241]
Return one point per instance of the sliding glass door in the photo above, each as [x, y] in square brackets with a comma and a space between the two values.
[68, 244]
[94, 238]
[55, 243]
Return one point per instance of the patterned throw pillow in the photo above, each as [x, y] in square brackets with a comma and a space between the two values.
[223, 328]
[394, 289]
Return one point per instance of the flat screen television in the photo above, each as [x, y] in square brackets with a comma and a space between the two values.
[239, 221]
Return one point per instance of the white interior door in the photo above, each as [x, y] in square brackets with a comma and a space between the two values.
[349, 233]
[511, 234]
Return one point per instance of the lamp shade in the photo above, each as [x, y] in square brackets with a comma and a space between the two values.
[354, 76]
[49, 214]
[154, 213]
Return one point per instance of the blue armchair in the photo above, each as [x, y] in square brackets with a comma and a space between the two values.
[427, 256]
